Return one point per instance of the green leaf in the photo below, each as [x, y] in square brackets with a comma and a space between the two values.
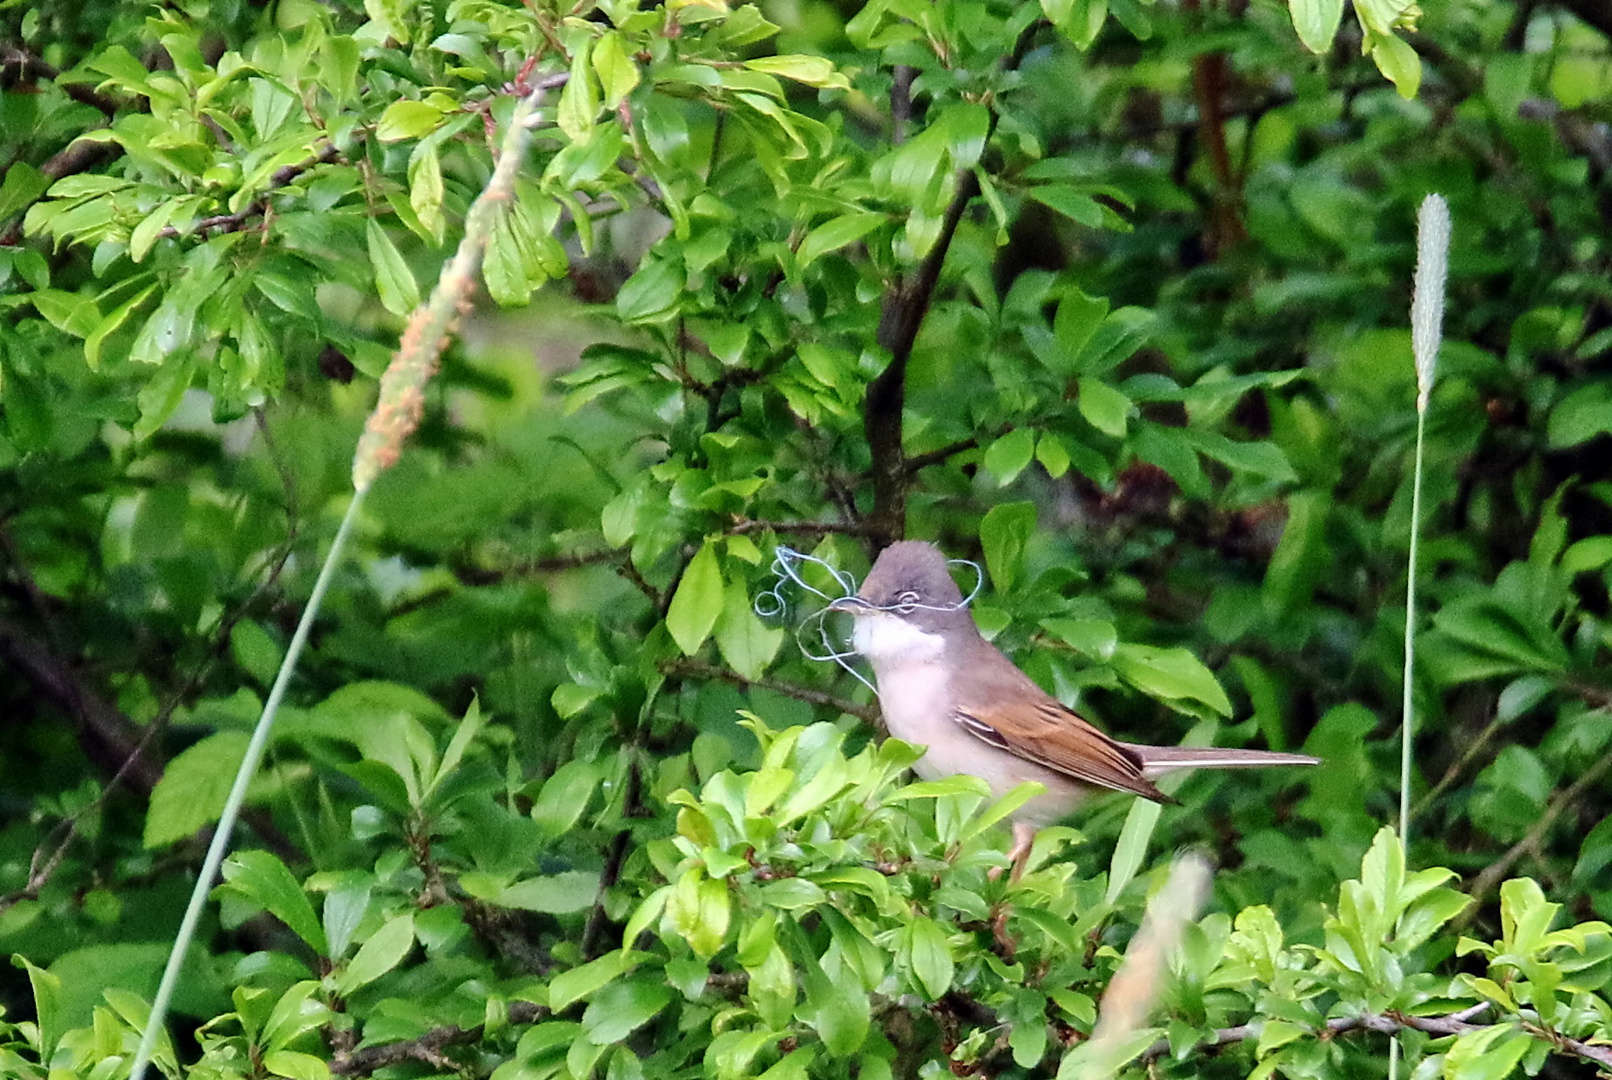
[1097, 638]
[1317, 24]
[344, 909]
[1104, 407]
[1398, 62]
[698, 601]
[811, 70]
[97, 337]
[295, 1065]
[1168, 448]
[1479, 637]
[194, 788]
[1490, 1053]
[1131, 850]
[837, 1008]
[20, 186]
[931, 952]
[836, 233]
[71, 313]
[652, 293]
[1261, 458]
[384, 950]
[747, 643]
[1071, 202]
[1170, 674]
[408, 120]
[1005, 535]
[425, 190]
[394, 281]
[565, 797]
[617, 72]
[47, 1002]
[162, 393]
[1580, 416]
[579, 101]
[744, 25]
[1077, 320]
[264, 880]
[294, 1014]
[700, 909]
[556, 894]
[469, 727]
[622, 1008]
[1053, 454]
[1007, 457]
[572, 986]
[1299, 561]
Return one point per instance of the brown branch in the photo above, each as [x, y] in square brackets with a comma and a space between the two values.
[632, 806]
[743, 526]
[1209, 75]
[1391, 1023]
[901, 102]
[1496, 871]
[1468, 754]
[34, 69]
[699, 669]
[905, 305]
[940, 454]
[228, 223]
[110, 739]
[428, 1048]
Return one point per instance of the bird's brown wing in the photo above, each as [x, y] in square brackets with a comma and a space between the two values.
[1051, 735]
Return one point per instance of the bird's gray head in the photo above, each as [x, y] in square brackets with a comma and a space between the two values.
[911, 581]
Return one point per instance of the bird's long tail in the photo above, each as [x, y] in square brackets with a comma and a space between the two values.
[1158, 760]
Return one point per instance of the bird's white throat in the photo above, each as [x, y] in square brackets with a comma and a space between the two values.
[889, 639]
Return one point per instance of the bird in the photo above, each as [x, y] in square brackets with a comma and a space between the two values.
[942, 686]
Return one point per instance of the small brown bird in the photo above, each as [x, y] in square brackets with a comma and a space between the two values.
[943, 686]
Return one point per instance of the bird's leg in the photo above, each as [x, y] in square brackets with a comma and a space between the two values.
[1019, 856]
[1023, 837]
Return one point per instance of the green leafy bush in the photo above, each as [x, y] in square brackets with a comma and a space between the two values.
[814, 914]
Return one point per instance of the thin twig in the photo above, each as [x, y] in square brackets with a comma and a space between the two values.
[34, 69]
[743, 526]
[1496, 871]
[427, 1048]
[1390, 1023]
[699, 669]
[1457, 767]
[941, 454]
[228, 223]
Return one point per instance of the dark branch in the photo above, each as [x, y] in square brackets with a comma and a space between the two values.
[1391, 1023]
[1496, 872]
[699, 669]
[428, 1048]
[935, 457]
[33, 69]
[743, 526]
[905, 306]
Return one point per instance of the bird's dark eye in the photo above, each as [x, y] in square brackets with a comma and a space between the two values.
[906, 601]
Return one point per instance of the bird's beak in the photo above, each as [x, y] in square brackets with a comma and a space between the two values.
[855, 605]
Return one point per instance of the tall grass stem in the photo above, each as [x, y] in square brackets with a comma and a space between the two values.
[237, 796]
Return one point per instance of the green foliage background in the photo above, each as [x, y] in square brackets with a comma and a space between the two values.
[1109, 296]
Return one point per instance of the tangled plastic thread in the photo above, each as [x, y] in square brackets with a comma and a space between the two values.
[772, 603]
